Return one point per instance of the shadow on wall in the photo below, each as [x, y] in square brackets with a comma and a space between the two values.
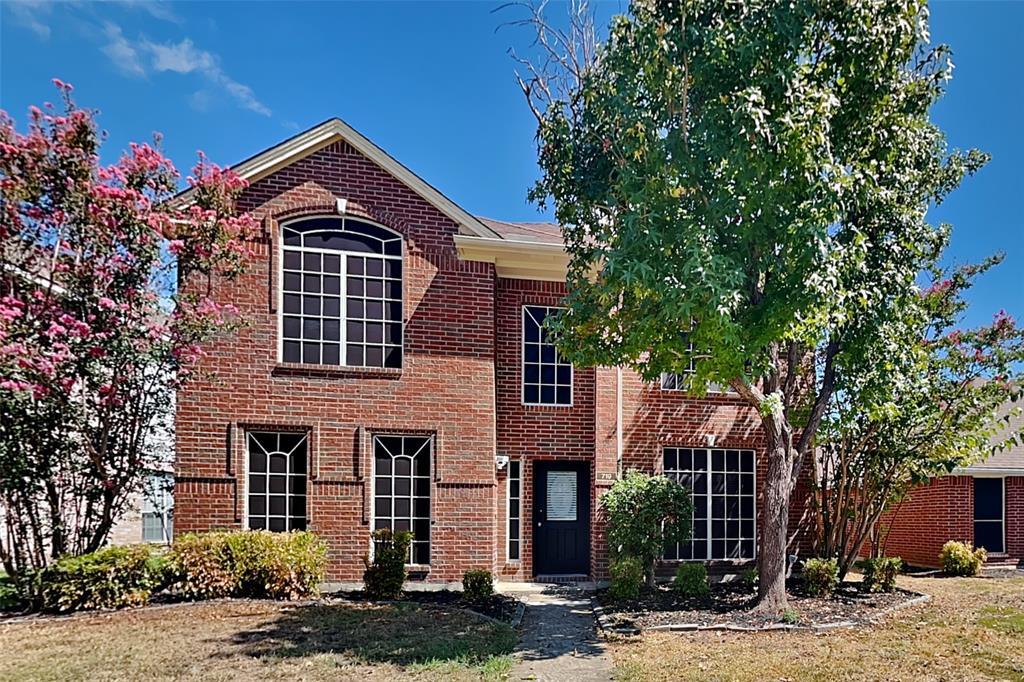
[397, 633]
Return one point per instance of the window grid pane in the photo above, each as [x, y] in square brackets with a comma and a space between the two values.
[547, 376]
[514, 509]
[401, 480]
[724, 517]
[277, 481]
[341, 289]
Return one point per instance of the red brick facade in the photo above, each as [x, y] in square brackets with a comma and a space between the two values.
[943, 510]
[460, 382]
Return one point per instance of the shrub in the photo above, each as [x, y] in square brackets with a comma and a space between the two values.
[477, 585]
[820, 576]
[10, 594]
[790, 616]
[880, 574]
[627, 578]
[959, 558]
[646, 513]
[691, 580]
[109, 578]
[385, 576]
[750, 578]
[252, 563]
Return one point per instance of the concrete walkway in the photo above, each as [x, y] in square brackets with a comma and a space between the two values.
[559, 638]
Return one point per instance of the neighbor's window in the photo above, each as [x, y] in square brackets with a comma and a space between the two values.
[547, 376]
[401, 489]
[514, 509]
[341, 293]
[722, 483]
[277, 480]
[158, 507]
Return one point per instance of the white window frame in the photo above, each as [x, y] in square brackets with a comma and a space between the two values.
[343, 273]
[708, 495]
[1002, 509]
[508, 515]
[289, 474]
[522, 363]
[412, 497]
[165, 511]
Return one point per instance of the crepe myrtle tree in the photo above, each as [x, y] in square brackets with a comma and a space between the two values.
[926, 397]
[95, 334]
[751, 178]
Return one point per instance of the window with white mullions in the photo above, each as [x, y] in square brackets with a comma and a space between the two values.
[401, 489]
[341, 293]
[276, 483]
[158, 507]
[514, 509]
[547, 376]
[722, 484]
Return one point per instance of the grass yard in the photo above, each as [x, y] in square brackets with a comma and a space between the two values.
[973, 629]
[229, 640]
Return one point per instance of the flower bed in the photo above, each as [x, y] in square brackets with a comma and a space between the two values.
[731, 605]
[498, 606]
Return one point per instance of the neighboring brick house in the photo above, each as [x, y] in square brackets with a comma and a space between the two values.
[393, 372]
[982, 504]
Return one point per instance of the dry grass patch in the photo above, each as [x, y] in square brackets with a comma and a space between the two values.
[970, 630]
[240, 639]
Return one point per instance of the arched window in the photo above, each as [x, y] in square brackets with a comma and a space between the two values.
[276, 482]
[341, 293]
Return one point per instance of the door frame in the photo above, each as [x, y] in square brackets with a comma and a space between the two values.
[584, 497]
[1003, 507]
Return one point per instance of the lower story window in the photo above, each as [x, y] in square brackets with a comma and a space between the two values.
[158, 507]
[722, 483]
[401, 489]
[514, 499]
[277, 480]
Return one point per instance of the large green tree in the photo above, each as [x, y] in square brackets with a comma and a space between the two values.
[751, 178]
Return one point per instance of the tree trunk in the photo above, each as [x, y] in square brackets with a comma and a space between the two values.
[771, 563]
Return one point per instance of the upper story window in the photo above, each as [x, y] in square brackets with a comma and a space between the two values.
[341, 293]
[681, 381]
[547, 376]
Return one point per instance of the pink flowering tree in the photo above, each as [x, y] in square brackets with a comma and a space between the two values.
[921, 398]
[95, 333]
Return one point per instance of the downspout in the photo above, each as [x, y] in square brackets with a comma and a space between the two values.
[618, 422]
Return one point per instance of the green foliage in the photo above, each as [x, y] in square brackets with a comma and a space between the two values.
[477, 585]
[959, 558]
[11, 597]
[791, 616]
[880, 574]
[247, 563]
[820, 576]
[111, 578]
[627, 574]
[750, 579]
[645, 513]
[384, 577]
[691, 580]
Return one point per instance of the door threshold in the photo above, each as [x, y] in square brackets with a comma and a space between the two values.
[562, 578]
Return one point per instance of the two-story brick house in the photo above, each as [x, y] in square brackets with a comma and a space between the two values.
[393, 372]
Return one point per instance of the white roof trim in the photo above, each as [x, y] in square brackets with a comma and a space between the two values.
[988, 471]
[516, 259]
[333, 130]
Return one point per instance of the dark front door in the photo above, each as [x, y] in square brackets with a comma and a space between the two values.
[561, 518]
[989, 506]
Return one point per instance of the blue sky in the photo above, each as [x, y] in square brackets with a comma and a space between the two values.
[432, 83]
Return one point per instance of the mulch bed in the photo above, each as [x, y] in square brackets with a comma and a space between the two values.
[732, 604]
[499, 606]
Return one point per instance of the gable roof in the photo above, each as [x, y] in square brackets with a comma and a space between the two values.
[334, 130]
[540, 233]
[1010, 460]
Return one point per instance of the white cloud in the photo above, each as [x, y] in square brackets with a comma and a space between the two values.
[183, 57]
[30, 14]
[155, 8]
[121, 52]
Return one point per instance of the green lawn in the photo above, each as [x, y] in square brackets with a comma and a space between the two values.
[973, 629]
[229, 640]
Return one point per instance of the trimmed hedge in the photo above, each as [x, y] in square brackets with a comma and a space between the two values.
[477, 585]
[628, 578]
[820, 576]
[691, 580]
[251, 563]
[880, 574]
[385, 576]
[110, 578]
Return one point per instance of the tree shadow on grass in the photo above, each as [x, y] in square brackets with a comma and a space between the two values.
[398, 633]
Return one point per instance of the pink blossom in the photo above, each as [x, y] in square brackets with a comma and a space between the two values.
[107, 303]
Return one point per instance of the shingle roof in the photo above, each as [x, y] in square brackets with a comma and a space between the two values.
[1010, 458]
[539, 233]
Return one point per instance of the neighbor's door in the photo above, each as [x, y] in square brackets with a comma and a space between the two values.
[989, 505]
[561, 518]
